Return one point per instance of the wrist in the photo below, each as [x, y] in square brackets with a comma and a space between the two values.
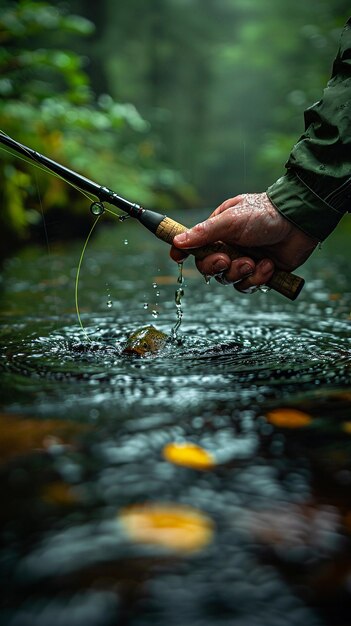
[302, 207]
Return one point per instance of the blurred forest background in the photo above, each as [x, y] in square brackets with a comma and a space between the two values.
[171, 103]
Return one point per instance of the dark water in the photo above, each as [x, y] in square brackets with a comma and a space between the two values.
[84, 426]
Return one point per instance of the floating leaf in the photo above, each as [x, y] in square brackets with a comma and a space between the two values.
[334, 297]
[179, 528]
[288, 418]
[189, 455]
[59, 493]
[20, 436]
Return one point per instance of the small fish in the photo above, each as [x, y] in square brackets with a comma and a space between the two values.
[144, 341]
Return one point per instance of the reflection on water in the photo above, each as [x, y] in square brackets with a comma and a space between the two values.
[258, 536]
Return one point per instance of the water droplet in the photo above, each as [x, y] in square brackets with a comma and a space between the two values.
[109, 303]
[178, 300]
[207, 279]
[264, 288]
[123, 218]
[178, 296]
[126, 242]
[154, 313]
[146, 305]
[157, 293]
[250, 199]
[96, 208]
[154, 285]
[180, 278]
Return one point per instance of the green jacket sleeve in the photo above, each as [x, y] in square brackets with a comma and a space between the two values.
[315, 192]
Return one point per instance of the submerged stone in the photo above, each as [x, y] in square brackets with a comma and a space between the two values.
[144, 341]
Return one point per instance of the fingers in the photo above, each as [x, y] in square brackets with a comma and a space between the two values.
[261, 275]
[244, 221]
[243, 273]
[178, 255]
[227, 204]
[230, 271]
[213, 264]
[213, 229]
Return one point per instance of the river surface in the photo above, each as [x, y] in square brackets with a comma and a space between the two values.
[84, 430]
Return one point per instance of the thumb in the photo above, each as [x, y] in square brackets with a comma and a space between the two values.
[209, 231]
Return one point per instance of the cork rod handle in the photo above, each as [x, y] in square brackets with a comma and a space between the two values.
[285, 283]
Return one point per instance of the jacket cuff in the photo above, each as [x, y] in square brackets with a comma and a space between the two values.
[301, 206]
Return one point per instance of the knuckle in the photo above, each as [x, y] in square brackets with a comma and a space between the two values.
[200, 228]
[202, 231]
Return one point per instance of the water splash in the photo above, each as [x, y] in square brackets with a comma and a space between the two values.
[180, 278]
[179, 293]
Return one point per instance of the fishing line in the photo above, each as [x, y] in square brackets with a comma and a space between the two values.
[77, 277]
[102, 208]
[118, 215]
[89, 197]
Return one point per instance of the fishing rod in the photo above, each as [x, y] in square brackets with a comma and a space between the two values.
[285, 283]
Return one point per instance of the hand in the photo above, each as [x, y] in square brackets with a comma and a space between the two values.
[247, 221]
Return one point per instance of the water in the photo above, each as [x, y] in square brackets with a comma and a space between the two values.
[179, 293]
[83, 429]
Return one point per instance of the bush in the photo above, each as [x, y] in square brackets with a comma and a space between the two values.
[47, 103]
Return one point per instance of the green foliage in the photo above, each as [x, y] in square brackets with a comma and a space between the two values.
[225, 82]
[47, 103]
[222, 84]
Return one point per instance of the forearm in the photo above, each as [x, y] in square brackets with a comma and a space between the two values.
[316, 190]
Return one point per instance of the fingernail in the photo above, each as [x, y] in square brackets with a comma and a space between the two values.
[266, 266]
[181, 238]
[245, 269]
[220, 266]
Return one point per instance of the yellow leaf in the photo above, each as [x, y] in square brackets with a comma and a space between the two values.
[346, 427]
[20, 436]
[176, 527]
[288, 418]
[334, 297]
[59, 494]
[189, 455]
